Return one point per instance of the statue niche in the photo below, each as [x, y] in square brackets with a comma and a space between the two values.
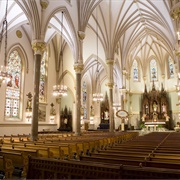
[155, 107]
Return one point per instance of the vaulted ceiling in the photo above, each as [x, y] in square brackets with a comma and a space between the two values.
[134, 27]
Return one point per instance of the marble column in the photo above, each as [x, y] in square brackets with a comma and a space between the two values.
[38, 48]
[174, 12]
[124, 78]
[110, 85]
[78, 69]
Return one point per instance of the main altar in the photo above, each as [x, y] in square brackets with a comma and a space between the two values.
[155, 111]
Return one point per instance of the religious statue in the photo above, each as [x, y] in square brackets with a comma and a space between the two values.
[155, 116]
[163, 107]
[29, 102]
[106, 115]
[143, 117]
[146, 108]
[154, 106]
[167, 117]
[52, 110]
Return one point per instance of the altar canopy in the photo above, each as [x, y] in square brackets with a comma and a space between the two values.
[155, 107]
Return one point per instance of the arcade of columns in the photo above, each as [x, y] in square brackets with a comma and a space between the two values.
[175, 14]
[39, 46]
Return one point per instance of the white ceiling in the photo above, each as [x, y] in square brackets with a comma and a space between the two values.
[134, 26]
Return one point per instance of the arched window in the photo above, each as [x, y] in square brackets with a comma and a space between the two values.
[84, 90]
[13, 90]
[43, 78]
[171, 67]
[135, 71]
[153, 70]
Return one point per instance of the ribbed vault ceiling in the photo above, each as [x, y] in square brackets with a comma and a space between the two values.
[138, 28]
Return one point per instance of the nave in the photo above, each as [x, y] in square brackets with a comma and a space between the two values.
[93, 155]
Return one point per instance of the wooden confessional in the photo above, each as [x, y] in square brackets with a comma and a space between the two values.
[65, 120]
[104, 113]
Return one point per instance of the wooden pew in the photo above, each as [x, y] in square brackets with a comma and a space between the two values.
[19, 160]
[6, 166]
[114, 160]
[31, 152]
[43, 168]
[134, 172]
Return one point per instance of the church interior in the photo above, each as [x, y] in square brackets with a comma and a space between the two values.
[96, 71]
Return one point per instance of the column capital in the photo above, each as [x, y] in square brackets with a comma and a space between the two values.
[78, 67]
[110, 85]
[123, 90]
[175, 12]
[44, 4]
[129, 77]
[38, 46]
[110, 62]
[81, 35]
[163, 76]
[124, 72]
[177, 53]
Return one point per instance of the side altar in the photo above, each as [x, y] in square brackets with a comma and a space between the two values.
[155, 109]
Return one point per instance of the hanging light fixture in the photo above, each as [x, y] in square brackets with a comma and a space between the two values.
[60, 90]
[98, 96]
[4, 74]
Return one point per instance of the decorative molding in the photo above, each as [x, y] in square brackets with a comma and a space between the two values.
[124, 72]
[78, 68]
[81, 35]
[19, 34]
[177, 53]
[123, 90]
[175, 13]
[110, 85]
[44, 4]
[110, 61]
[38, 47]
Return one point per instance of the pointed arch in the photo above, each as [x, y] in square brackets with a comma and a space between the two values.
[135, 69]
[153, 69]
[14, 89]
[170, 67]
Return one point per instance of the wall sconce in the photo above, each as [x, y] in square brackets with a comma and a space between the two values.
[52, 113]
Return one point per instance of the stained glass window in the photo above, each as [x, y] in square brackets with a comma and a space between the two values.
[153, 70]
[12, 106]
[135, 71]
[42, 78]
[84, 90]
[171, 67]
